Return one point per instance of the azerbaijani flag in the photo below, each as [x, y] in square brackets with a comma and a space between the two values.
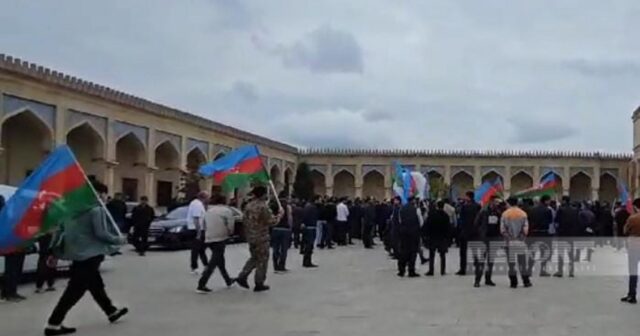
[487, 190]
[547, 186]
[237, 169]
[624, 197]
[54, 193]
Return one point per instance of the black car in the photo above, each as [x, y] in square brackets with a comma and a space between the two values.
[171, 230]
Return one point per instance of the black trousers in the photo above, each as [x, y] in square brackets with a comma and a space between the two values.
[217, 260]
[432, 260]
[633, 258]
[44, 274]
[341, 232]
[574, 255]
[327, 234]
[297, 236]
[483, 255]
[141, 238]
[198, 250]
[407, 252]
[84, 275]
[541, 242]
[13, 264]
[280, 243]
[367, 235]
[463, 244]
[518, 254]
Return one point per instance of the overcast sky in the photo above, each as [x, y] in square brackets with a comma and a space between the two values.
[490, 74]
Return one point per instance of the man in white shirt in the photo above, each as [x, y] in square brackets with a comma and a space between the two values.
[195, 223]
[219, 225]
[342, 218]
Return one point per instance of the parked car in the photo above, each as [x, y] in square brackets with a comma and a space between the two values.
[171, 230]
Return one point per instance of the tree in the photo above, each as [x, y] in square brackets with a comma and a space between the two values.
[303, 185]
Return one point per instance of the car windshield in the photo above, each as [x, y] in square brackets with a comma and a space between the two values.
[179, 213]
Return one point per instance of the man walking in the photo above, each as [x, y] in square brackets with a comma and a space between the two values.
[540, 219]
[258, 219]
[195, 215]
[141, 217]
[468, 213]
[514, 227]
[408, 239]
[219, 224]
[85, 241]
[281, 239]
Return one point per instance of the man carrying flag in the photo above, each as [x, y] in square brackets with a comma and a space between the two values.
[58, 198]
[236, 170]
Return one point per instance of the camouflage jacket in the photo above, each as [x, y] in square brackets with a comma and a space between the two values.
[258, 218]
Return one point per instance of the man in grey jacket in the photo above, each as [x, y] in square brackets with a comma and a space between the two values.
[85, 241]
[219, 224]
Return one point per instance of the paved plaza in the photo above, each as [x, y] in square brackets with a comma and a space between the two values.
[354, 292]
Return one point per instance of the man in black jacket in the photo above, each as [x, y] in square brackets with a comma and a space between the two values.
[436, 232]
[310, 219]
[468, 213]
[141, 217]
[568, 226]
[487, 225]
[369, 222]
[540, 218]
[408, 240]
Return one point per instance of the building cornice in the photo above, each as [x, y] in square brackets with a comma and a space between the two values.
[636, 114]
[31, 70]
[464, 153]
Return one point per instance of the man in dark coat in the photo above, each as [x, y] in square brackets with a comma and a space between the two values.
[310, 219]
[118, 210]
[467, 231]
[487, 226]
[568, 226]
[540, 218]
[298, 215]
[436, 232]
[369, 222]
[141, 217]
[408, 241]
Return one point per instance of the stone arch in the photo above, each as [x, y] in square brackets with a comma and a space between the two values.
[274, 172]
[580, 187]
[26, 139]
[88, 146]
[608, 188]
[131, 170]
[437, 186]
[31, 114]
[373, 185]
[491, 176]
[521, 181]
[344, 184]
[195, 159]
[167, 177]
[319, 182]
[89, 124]
[461, 182]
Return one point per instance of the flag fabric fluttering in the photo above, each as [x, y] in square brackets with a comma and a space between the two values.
[487, 190]
[55, 192]
[237, 169]
[548, 186]
[625, 198]
[408, 184]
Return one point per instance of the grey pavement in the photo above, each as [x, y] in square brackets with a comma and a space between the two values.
[354, 292]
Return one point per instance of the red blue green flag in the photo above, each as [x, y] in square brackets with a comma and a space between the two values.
[237, 169]
[54, 193]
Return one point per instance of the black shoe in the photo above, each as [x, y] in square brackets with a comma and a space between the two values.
[261, 288]
[544, 274]
[230, 282]
[62, 330]
[113, 318]
[242, 282]
[142, 254]
[476, 285]
[203, 290]
[558, 275]
[309, 266]
[571, 275]
[15, 298]
[330, 248]
[401, 274]
[527, 284]
[629, 299]
[414, 275]
[461, 273]
[490, 283]
[429, 274]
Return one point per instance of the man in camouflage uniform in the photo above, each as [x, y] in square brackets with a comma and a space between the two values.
[258, 218]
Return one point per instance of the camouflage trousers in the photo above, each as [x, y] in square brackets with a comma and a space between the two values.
[259, 261]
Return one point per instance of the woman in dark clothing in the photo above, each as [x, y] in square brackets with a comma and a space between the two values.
[437, 234]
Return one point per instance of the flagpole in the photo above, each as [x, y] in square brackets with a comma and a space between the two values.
[86, 178]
